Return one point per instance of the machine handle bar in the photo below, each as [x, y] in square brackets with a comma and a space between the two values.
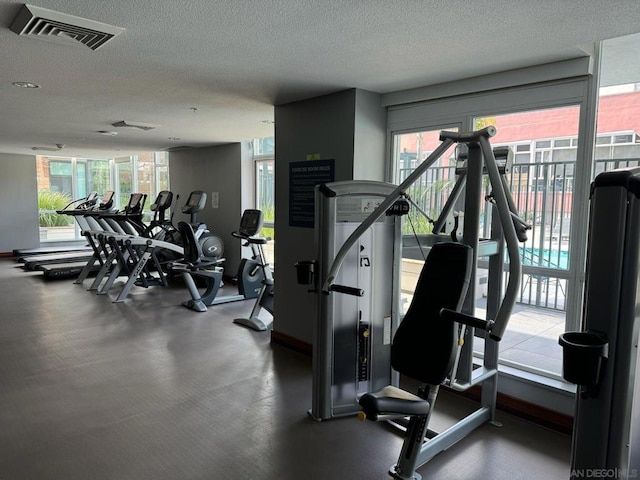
[506, 208]
[380, 211]
[467, 137]
[465, 319]
[249, 239]
[505, 211]
[448, 139]
[356, 292]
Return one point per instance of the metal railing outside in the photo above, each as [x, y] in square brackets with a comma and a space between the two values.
[543, 194]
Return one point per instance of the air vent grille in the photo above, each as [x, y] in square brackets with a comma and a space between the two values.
[41, 23]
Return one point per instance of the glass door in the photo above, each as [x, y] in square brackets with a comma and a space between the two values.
[55, 191]
[124, 181]
[547, 128]
[545, 144]
[430, 193]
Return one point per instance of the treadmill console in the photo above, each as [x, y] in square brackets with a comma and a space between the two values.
[89, 202]
[107, 200]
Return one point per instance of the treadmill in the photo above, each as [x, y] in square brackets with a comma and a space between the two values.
[27, 254]
[71, 264]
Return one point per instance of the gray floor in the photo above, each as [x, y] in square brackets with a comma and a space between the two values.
[150, 390]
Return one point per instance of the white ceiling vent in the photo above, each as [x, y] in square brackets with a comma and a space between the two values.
[141, 126]
[46, 24]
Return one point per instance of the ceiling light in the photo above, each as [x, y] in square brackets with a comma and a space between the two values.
[107, 133]
[26, 85]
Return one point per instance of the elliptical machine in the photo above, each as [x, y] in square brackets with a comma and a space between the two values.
[160, 227]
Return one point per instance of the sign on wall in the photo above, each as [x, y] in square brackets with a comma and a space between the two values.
[303, 177]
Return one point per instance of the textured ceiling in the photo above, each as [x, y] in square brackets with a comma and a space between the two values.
[233, 60]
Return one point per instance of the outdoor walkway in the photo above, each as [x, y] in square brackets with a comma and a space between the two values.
[532, 335]
[531, 338]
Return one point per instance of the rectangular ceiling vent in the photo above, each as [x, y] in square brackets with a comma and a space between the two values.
[46, 24]
[140, 125]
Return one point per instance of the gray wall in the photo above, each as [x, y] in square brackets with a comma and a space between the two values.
[348, 126]
[216, 169]
[18, 203]
[369, 137]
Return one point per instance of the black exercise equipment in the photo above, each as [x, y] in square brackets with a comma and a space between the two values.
[161, 227]
[424, 349]
[61, 262]
[196, 263]
[210, 244]
[256, 270]
[254, 275]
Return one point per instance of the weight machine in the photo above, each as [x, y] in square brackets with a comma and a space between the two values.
[603, 359]
[352, 344]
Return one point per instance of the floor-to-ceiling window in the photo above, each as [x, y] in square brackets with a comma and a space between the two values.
[618, 120]
[64, 179]
[542, 184]
[263, 155]
[557, 153]
[542, 125]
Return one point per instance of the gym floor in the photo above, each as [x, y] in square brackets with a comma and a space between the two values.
[150, 390]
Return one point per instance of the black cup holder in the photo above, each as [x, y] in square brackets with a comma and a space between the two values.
[583, 356]
[305, 270]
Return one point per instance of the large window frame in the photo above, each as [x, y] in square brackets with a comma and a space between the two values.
[264, 189]
[80, 185]
[463, 109]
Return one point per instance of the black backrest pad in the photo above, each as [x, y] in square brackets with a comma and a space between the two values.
[192, 251]
[424, 345]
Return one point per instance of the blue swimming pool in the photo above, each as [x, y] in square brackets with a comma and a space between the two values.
[544, 258]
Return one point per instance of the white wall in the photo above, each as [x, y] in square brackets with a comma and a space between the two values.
[18, 203]
[369, 146]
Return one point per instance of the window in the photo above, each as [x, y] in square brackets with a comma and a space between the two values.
[543, 185]
[62, 179]
[263, 154]
[430, 193]
[264, 147]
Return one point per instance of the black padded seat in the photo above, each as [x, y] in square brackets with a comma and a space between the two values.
[391, 401]
[424, 345]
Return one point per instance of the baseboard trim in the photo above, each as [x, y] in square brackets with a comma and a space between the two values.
[291, 343]
[531, 412]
